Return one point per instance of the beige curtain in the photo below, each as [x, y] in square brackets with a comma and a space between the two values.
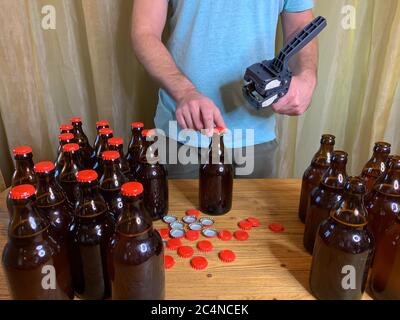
[85, 67]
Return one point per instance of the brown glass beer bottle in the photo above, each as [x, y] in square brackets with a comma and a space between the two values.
[117, 144]
[343, 248]
[383, 202]
[102, 146]
[153, 176]
[385, 275]
[72, 164]
[101, 124]
[87, 152]
[135, 148]
[66, 128]
[31, 259]
[325, 197]
[136, 251]
[216, 178]
[91, 233]
[64, 139]
[111, 182]
[376, 165]
[311, 177]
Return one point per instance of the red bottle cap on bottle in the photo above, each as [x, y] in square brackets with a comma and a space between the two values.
[110, 155]
[137, 125]
[116, 141]
[173, 244]
[70, 147]
[220, 130]
[164, 233]
[76, 120]
[65, 136]
[131, 189]
[245, 225]
[227, 256]
[148, 132]
[44, 167]
[86, 176]
[21, 150]
[23, 191]
[66, 127]
[192, 235]
[185, 251]
[199, 263]
[241, 235]
[276, 227]
[254, 222]
[169, 262]
[106, 131]
[225, 235]
[193, 212]
[102, 123]
[205, 246]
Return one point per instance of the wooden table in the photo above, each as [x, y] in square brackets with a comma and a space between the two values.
[268, 265]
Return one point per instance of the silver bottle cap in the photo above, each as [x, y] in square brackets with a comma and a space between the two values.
[207, 221]
[177, 233]
[189, 219]
[195, 226]
[177, 225]
[209, 232]
[169, 219]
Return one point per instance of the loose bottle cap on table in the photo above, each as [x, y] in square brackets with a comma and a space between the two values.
[195, 226]
[137, 125]
[106, 131]
[185, 251]
[189, 219]
[173, 244]
[44, 166]
[177, 233]
[227, 256]
[225, 235]
[276, 227]
[241, 235]
[254, 222]
[23, 191]
[131, 189]
[66, 127]
[245, 225]
[169, 262]
[102, 123]
[86, 176]
[148, 132]
[193, 212]
[206, 221]
[71, 147]
[209, 232]
[192, 235]
[21, 150]
[164, 233]
[75, 120]
[205, 246]
[169, 219]
[177, 225]
[110, 155]
[199, 263]
[116, 141]
[65, 136]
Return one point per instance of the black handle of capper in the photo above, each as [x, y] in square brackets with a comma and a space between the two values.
[299, 41]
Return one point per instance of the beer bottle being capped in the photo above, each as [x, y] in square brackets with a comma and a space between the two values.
[136, 251]
[135, 148]
[91, 233]
[216, 178]
[111, 182]
[376, 165]
[31, 259]
[325, 197]
[311, 177]
[66, 128]
[153, 176]
[101, 124]
[88, 153]
[343, 248]
[64, 139]
[383, 202]
[117, 144]
[102, 146]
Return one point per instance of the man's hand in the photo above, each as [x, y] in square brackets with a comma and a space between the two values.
[299, 96]
[195, 111]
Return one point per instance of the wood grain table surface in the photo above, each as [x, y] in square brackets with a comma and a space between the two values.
[268, 265]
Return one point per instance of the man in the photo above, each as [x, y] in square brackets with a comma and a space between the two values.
[201, 68]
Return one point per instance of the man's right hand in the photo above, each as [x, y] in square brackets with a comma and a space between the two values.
[195, 111]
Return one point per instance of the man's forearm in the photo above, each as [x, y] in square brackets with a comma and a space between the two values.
[158, 62]
[306, 61]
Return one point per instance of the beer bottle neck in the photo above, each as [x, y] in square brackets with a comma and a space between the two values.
[150, 153]
[390, 182]
[72, 162]
[111, 169]
[24, 172]
[48, 191]
[119, 148]
[336, 175]
[323, 156]
[89, 201]
[351, 211]
[216, 152]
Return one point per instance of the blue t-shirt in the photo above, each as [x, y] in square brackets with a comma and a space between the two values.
[212, 43]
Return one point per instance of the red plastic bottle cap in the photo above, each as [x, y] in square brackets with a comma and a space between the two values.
[164, 233]
[254, 222]
[131, 189]
[220, 130]
[70, 147]
[241, 235]
[245, 225]
[110, 155]
[227, 256]
[199, 263]
[86, 176]
[205, 246]
[148, 132]
[276, 227]
[21, 150]
[192, 235]
[193, 212]
[102, 123]
[106, 131]
[23, 191]
[169, 262]
[65, 136]
[185, 251]
[44, 166]
[173, 244]
[116, 141]
[66, 127]
[75, 120]
[225, 235]
[137, 125]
